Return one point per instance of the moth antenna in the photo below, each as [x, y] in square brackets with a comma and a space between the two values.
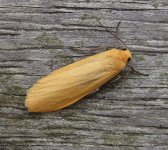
[113, 34]
[117, 33]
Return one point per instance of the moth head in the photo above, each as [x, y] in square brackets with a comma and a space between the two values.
[127, 55]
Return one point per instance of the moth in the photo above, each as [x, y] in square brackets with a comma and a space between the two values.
[71, 83]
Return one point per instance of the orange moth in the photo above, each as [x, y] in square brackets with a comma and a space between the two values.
[69, 84]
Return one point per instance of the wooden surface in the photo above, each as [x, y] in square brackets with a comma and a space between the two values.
[38, 36]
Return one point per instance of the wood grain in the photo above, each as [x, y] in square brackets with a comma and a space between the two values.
[37, 37]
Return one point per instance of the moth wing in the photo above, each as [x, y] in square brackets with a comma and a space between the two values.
[69, 84]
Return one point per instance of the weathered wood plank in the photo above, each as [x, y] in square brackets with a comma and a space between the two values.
[38, 36]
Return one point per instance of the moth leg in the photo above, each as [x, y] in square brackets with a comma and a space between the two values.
[137, 72]
[114, 80]
[94, 91]
[118, 77]
[123, 79]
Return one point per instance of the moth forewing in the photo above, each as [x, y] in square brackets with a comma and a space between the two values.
[67, 85]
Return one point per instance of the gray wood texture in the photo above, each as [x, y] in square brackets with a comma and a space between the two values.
[38, 36]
